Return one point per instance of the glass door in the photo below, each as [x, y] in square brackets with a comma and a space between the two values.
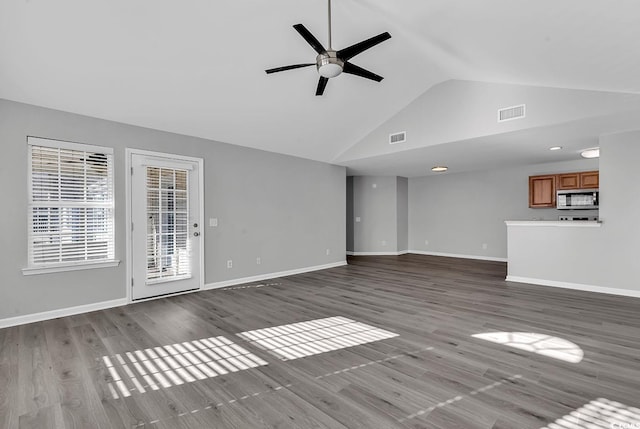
[165, 226]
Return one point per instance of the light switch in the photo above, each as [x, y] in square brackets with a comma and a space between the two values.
[213, 222]
[357, 218]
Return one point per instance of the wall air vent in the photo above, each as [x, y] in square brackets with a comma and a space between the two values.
[396, 138]
[511, 113]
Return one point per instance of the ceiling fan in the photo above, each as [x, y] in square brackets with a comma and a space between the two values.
[329, 62]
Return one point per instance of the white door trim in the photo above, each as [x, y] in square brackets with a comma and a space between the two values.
[129, 152]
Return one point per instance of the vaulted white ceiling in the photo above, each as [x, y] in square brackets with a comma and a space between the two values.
[196, 67]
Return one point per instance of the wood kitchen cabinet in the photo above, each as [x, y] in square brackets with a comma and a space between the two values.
[590, 180]
[568, 181]
[542, 191]
[582, 180]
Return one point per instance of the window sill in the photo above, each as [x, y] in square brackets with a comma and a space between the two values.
[70, 267]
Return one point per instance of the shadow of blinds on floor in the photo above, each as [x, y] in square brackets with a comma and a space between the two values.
[298, 340]
[175, 364]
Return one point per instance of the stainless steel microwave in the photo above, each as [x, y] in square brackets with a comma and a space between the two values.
[578, 199]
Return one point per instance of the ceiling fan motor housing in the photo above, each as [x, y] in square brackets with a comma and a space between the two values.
[328, 64]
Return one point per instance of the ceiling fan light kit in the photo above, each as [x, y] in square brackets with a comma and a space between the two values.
[331, 63]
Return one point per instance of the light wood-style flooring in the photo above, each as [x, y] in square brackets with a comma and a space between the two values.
[63, 373]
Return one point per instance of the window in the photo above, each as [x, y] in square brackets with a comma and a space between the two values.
[70, 206]
[168, 245]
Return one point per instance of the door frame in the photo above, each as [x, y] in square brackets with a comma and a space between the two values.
[129, 152]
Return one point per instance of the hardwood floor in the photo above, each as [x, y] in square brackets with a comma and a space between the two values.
[98, 370]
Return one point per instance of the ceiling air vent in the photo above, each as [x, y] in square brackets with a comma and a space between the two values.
[511, 113]
[396, 138]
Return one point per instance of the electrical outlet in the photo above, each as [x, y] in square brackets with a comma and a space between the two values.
[484, 246]
[258, 260]
[213, 222]
[384, 242]
[328, 251]
[229, 263]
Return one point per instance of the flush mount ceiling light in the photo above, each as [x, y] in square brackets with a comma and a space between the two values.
[593, 152]
[439, 168]
[555, 148]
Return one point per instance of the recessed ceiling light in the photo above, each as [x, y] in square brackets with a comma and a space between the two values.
[439, 168]
[555, 148]
[593, 152]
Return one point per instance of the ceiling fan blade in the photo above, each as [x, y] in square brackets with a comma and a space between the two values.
[291, 67]
[353, 50]
[310, 38]
[359, 71]
[322, 84]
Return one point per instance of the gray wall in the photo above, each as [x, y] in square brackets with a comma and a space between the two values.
[402, 210]
[458, 213]
[350, 218]
[376, 208]
[286, 210]
[620, 211]
[381, 203]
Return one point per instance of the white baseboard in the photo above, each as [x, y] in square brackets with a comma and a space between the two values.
[575, 286]
[456, 255]
[47, 315]
[401, 252]
[260, 277]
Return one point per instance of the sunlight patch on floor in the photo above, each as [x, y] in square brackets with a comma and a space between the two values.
[600, 414]
[298, 340]
[172, 365]
[546, 345]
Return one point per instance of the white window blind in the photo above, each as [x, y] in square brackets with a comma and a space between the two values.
[71, 204]
[168, 244]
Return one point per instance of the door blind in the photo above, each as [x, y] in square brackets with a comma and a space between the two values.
[71, 203]
[168, 244]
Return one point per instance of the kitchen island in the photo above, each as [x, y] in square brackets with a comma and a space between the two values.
[602, 257]
[555, 253]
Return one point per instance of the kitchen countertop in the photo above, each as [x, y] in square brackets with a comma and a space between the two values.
[555, 223]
